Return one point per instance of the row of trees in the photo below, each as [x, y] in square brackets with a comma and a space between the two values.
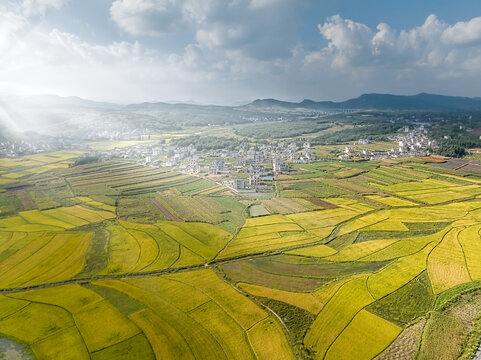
[374, 132]
[281, 129]
[206, 142]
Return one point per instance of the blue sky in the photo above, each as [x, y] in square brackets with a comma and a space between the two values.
[232, 51]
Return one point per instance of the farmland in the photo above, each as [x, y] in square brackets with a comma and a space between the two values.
[343, 261]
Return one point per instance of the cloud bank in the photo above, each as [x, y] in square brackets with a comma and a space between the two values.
[235, 50]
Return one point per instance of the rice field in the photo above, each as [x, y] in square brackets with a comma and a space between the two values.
[398, 273]
[315, 251]
[286, 206]
[131, 179]
[404, 247]
[447, 265]
[431, 191]
[391, 200]
[276, 348]
[257, 210]
[221, 323]
[364, 338]
[268, 242]
[95, 204]
[136, 247]
[470, 242]
[304, 301]
[323, 218]
[349, 257]
[336, 315]
[55, 220]
[43, 258]
[214, 210]
[356, 251]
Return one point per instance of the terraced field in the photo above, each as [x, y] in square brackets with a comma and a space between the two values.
[96, 270]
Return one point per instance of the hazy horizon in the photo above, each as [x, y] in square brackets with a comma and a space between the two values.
[226, 104]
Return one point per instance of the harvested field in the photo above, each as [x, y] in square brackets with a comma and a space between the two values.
[291, 205]
[406, 345]
[164, 210]
[257, 210]
[242, 271]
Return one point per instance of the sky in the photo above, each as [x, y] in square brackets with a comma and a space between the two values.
[235, 51]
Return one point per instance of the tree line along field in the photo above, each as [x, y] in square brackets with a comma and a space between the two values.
[115, 260]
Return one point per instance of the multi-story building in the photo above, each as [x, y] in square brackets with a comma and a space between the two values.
[279, 167]
[216, 167]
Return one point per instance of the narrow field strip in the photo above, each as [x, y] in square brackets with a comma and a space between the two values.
[398, 273]
[470, 241]
[124, 251]
[404, 247]
[276, 348]
[304, 301]
[446, 264]
[149, 249]
[356, 251]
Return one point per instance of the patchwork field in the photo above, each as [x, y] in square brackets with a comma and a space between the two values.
[114, 260]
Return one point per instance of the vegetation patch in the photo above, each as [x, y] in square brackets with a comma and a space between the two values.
[296, 320]
[410, 302]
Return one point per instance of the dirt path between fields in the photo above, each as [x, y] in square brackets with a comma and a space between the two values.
[164, 210]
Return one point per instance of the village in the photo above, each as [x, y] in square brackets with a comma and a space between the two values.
[255, 169]
[15, 148]
[411, 142]
[243, 169]
[251, 170]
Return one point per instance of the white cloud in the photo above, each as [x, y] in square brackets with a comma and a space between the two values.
[34, 61]
[384, 38]
[12, 28]
[263, 29]
[239, 49]
[148, 17]
[434, 46]
[39, 7]
[463, 32]
[347, 39]
[259, 4]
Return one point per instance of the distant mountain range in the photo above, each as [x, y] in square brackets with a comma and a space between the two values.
[74, 116]
[419, 102]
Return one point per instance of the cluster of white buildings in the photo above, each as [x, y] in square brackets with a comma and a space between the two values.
[411, 142]
[256, 177]
[10, 148]
[414, 142]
